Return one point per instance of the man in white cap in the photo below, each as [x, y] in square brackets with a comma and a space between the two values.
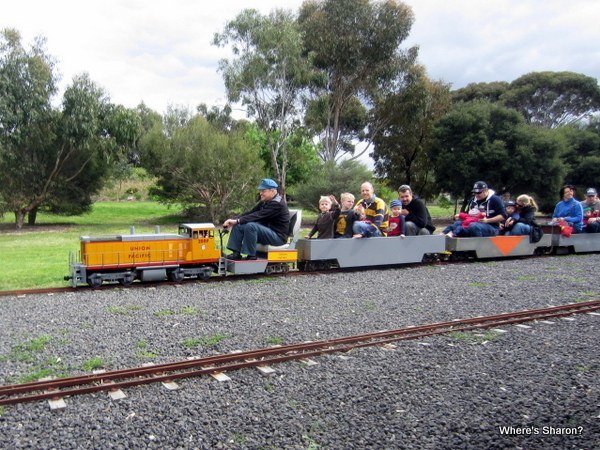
[591, 211]
[267, 223]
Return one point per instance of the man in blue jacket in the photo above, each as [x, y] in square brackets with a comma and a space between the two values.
[267, 223]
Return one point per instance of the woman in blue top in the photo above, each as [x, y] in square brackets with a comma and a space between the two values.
[569, 209]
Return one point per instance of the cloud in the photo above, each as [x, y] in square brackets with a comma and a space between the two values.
[474, 41]
[160, 51]
[156, 51]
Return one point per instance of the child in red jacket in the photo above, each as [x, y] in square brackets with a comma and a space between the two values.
[396, 221]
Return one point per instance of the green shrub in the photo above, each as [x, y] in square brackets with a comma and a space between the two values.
[331, 179]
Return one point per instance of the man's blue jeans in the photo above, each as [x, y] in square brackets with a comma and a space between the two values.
[454, 228]
[366, 229]
[478, 229]
[244, 238]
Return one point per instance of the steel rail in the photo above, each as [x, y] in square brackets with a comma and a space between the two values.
[234, 277]
[142, 284]
[107, 381]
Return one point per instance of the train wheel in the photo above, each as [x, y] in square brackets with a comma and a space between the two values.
[176, 275]
[270, 270]
[311, 266]
[127, 279]
[94, 281]
[204, 276]
[445, 256]
[430, 258]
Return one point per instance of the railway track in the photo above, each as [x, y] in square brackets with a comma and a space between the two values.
[141, 285]
[136, 285]
[213, 365]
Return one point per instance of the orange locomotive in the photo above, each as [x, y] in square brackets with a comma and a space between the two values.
[147, 257]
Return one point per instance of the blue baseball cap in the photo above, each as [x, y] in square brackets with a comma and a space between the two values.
[267, 183]
[395, 204]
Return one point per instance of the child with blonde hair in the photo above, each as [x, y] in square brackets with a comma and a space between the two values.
[526, 200]
[329, 211]
[342, 226]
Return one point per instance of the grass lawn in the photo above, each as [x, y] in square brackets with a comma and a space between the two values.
[38, 256]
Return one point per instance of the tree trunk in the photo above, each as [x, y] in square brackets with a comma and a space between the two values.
[19, 218]
[31, 216]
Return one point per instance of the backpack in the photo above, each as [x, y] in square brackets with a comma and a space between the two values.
[536, 233]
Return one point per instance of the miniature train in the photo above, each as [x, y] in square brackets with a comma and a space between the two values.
[194, 252]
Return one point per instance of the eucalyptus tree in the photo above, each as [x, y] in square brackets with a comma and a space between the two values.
[267, 74]
[553, 99]
[582, 158]
[177, 116]
[148, 117]
[484, 141]
[356, 48]
[87, 134]
[125, 127]
[219, 117]
[49, 157]
[405, 135]
[27, 83]
[491, 92]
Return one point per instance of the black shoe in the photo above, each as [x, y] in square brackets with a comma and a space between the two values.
[235, 256]
[250, 258]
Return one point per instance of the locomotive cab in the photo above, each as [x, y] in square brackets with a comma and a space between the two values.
[202, 240]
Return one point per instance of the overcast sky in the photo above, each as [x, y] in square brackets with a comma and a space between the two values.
[160, 52]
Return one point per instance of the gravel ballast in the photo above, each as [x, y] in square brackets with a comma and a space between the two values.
[526, 388]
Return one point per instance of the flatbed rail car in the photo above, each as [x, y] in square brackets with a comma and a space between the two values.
[576, 243]
[497, 246]
[322, 254]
